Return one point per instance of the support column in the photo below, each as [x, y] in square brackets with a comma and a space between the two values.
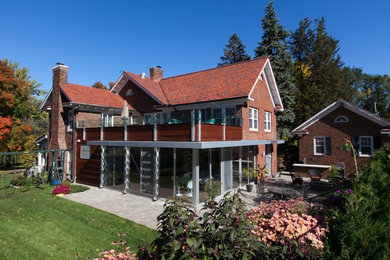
[223, 111]
[239, 166]
[101, 128]
[222, 167]
[210, 165]
[155, 127]
[102, 165]
[199, 125]
[156, 174]
[84, 125]
[174, 171]
[125, 128]
[126, 186]
[192, 125]
[195, 176]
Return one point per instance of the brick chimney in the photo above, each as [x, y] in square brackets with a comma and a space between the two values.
[156, 73]
[57, 124]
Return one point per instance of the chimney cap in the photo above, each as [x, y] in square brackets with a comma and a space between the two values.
[158, 66]
[59, 63]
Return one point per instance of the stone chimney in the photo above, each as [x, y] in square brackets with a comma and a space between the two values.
[57, 124]
[156, 73]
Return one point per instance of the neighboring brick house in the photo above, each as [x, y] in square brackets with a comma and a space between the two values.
[321, 138]
[181, 131]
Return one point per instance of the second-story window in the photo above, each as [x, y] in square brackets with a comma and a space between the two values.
[366, 146]
[108, 120]
[267, 121]
[253, 119]
[70, 121]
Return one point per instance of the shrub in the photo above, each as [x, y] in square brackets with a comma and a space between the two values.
[360, 228]
[222, 233]
[61, 189]
[288, 229]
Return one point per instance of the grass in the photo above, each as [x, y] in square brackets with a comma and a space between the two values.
[38, 225]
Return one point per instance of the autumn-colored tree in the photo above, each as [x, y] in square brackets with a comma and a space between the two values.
[100, 85]
[16, 106]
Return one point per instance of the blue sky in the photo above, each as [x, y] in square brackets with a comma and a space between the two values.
[99, 39]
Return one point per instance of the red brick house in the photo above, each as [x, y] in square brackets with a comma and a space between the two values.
[172, 135]
[321, 138]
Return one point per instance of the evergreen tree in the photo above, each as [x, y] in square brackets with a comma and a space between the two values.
[320, 76]
[274, 45]
[234, 52]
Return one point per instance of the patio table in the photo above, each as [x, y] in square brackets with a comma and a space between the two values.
[281, 193]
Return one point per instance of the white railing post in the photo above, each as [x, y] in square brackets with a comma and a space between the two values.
[155, 127]
[199, 125]
[192, 125]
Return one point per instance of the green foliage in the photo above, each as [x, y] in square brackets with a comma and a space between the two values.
[360, 229]
[234, 52]
[77, 188]
[212, 188]
[373, 91]
[274, 45]
[319, 75]
[250, 173]
[222, 233]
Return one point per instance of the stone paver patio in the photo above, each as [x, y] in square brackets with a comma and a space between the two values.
[143, 210]
[139, 209]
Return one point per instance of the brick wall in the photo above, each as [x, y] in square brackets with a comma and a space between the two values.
[262, 101]
[339, 133]
[139, 100]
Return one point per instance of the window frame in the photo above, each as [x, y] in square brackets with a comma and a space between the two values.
[134, 122]
[339, 119]
[267, 121]
[315, 145]
[108, 120]
[70, 121]
[83, 152]
[129, 93]
[253, 119]
[371, 146]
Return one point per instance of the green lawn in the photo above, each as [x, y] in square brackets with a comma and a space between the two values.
[38, 225]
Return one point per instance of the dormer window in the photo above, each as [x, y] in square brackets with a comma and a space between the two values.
[341, 119]
[129, 93]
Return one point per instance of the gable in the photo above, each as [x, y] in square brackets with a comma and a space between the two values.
[336, 105]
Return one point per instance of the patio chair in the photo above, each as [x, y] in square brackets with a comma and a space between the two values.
[314, 174]
[210, 121]
[295, 179]
[174, 121]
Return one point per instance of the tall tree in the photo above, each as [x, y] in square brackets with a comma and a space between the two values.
[274, 45]
[234, 52]
[320, 76]
[18, 106]
[373, 91]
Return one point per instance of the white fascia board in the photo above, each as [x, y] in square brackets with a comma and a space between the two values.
[46, 98]
[117, 83]
[269, 91]
[272, 76]
[257, 80]
[317, 116]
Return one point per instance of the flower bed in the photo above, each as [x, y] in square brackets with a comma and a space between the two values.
[290, 226]
[61, 189]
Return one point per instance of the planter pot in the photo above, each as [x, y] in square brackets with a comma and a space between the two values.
[249, 187]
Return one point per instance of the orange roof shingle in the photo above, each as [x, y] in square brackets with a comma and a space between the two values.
[92, 96]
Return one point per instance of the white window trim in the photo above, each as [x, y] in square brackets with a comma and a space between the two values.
[132, 120]
[337, 119]
[314, 145]
[129, 93]
[106, 120]
[253, 119]
[265, 121]
[360, 146]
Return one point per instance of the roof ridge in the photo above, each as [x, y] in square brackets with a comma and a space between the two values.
[363, 109]
[225, 66]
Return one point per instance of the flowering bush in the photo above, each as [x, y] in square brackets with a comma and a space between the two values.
[289, 226]
[61, 189]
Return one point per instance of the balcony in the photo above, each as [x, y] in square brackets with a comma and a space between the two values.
[185, 132]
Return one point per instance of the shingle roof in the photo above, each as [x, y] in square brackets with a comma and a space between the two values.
[93, 96]
[151, 86]
[232, 81]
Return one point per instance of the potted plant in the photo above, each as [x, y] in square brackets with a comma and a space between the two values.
[260, 176]
[250, 174]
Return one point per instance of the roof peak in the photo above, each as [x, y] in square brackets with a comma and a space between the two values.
[217, 68]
